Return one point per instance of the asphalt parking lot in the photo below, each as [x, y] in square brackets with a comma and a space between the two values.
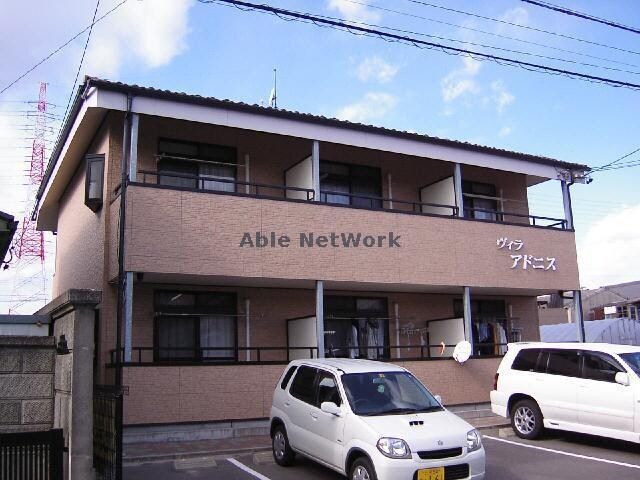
[558, 455]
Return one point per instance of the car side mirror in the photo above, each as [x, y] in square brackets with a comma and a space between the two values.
[622, 378]
[332, 408]
[439, 399]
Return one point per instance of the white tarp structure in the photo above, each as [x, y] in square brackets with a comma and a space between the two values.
[621, 331]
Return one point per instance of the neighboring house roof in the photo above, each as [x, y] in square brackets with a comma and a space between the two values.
[612, 330]
[286, 114]
[618, 294]
[8, 227]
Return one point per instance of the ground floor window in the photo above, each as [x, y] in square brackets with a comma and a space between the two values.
[488, 324]
[195, 326]
[356, 327]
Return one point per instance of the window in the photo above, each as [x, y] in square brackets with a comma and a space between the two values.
[327, 389]
[303, 386]
[356, 327]
[526, 360]
[287, 377]
[479, 196]
[195, 326]
[489, 326]
[601, 367]
[350, 184]
[197, 165]
[94, 182]
[563, 362]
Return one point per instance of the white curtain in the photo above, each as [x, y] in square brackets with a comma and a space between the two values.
[225, 172]
[217, 331]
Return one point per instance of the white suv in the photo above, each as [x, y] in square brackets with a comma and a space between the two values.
[591, 388]
[370, 420]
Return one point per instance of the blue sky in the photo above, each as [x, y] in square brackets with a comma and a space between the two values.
[226, 53]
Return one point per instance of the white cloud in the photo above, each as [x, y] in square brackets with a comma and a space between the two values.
[354, 11]
[150, 32]
[460, 81]
[374, 106]
[375, 68]
[518, 15]
[504, 131]
[609, 251]
[502, 97]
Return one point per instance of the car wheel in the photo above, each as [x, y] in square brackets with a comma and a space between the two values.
[282, 452]
[526, 419]
[362, 469]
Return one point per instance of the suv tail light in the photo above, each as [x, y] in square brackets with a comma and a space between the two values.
[495, 381]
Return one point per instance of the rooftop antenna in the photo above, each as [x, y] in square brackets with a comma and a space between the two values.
[273, 97]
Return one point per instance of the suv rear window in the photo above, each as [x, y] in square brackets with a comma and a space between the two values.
[526, 360]
[302, 387]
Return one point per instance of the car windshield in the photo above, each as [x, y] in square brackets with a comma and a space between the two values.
[633, 360]
[387, 393]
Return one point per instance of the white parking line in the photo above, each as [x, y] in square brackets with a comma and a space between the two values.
[250, 471]
[560, 452]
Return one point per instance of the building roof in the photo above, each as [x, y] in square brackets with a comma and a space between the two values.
[617, 294]
[183, 97]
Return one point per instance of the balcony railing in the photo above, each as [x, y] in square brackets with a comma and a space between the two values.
[382, 203]
[150, 356]
[264, 190]
[209, 183]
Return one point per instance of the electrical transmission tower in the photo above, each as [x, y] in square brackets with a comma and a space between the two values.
[30, 281]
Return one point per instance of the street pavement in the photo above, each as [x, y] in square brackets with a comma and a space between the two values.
[558, 455]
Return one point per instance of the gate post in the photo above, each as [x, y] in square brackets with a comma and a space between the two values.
[73, 315]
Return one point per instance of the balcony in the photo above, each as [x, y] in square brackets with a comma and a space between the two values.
[263, 234]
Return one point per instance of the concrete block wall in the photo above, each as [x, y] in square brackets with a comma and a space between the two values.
[27, 366]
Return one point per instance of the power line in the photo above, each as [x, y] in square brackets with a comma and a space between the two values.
[518, 25]
[586, 16]
[493, 34]
[290, 15]
[615, 161]
[75, 81]
[61, 47]
[509, 50]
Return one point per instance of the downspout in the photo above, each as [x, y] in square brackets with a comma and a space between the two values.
[124, 180]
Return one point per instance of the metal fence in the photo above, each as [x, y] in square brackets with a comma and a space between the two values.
[32, 455]
[107, 432]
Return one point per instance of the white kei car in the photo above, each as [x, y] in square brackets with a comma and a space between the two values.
[370, 421]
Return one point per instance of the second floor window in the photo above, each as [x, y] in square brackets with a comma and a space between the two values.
[197, 165]
[479, 200]
[346, 184]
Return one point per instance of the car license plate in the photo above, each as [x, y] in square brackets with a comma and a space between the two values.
[431, 474]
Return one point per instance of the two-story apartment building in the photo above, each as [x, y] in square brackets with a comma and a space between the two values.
[229, 238]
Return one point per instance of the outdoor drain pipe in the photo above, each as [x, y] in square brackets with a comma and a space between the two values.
[124, 169]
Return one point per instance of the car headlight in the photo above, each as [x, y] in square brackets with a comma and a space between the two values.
[473, 441]
[394, 448]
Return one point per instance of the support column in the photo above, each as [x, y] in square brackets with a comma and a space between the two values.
[396, 312]
[389, 191]
[247, 326]
[247, 159]
[133, 148]
[457, 183]
[315, 170]
[577, 315]
[128, 315]
[320, 317]
[566, 200]
[466, 304]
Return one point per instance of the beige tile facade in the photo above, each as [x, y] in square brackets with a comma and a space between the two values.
[192, 239]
